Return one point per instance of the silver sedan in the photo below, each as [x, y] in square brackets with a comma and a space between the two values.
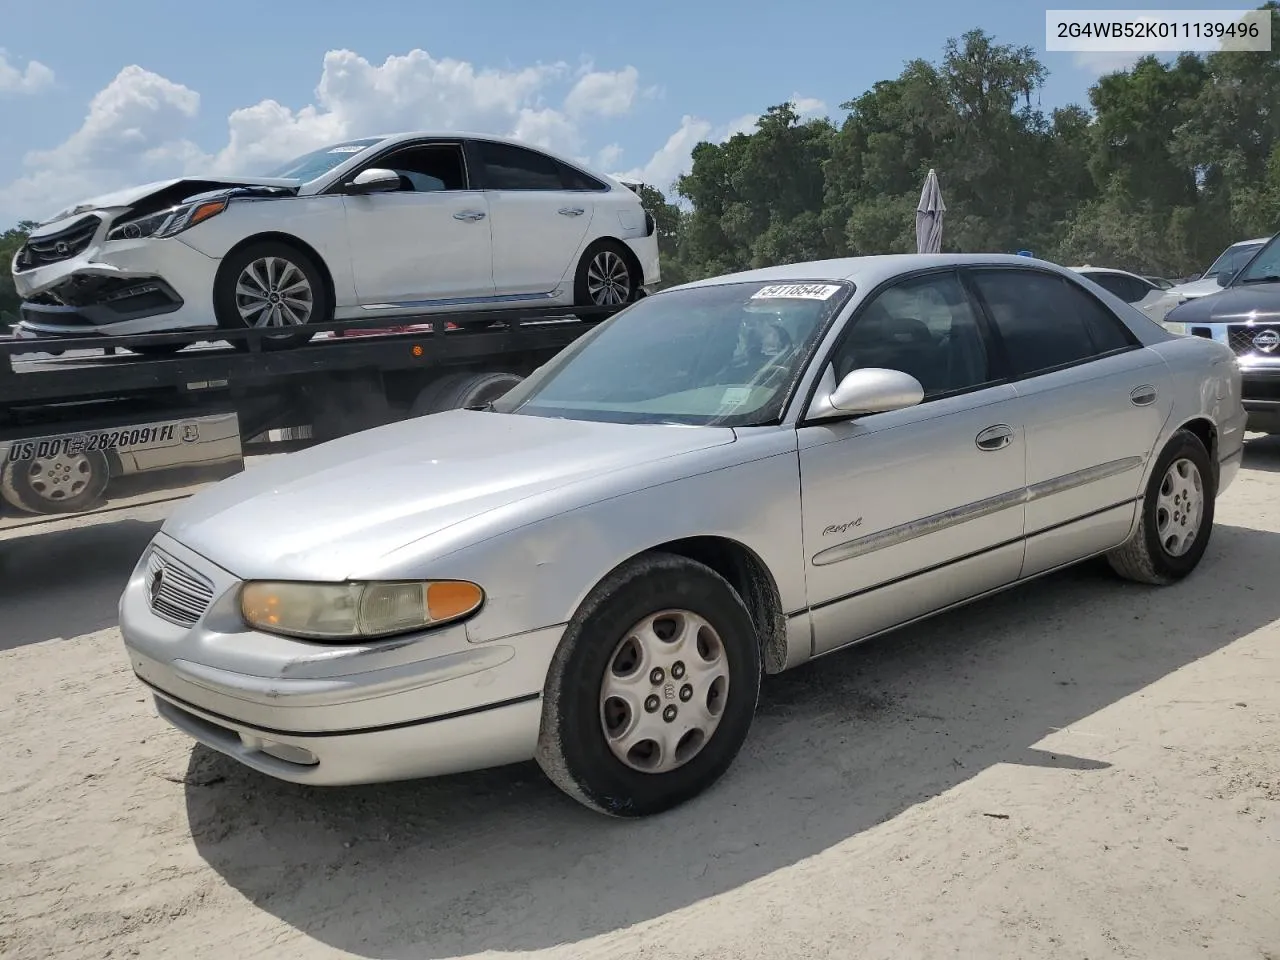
[725, 480]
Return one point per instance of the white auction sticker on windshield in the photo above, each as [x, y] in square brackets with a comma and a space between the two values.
[796, 291]
[352, 148]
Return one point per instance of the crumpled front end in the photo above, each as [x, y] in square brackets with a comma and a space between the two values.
[123, 268]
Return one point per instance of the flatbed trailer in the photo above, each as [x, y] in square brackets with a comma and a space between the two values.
[86, 425]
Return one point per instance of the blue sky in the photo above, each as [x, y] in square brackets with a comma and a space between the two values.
[704, 68]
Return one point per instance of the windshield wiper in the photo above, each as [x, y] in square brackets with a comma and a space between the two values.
[1268, 278]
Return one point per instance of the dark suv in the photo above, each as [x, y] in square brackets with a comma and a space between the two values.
[1245, 315]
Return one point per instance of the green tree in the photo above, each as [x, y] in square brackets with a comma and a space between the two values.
[10, 241]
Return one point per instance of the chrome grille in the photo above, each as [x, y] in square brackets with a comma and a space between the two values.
[175, 591]
[1241, 339]
[63, 245]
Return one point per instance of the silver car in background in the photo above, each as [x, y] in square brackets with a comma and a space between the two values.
[727, 479]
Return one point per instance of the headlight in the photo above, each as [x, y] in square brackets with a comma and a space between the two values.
[166, 223]
[355, 611]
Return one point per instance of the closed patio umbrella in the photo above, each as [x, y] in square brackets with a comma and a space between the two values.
[929, 213]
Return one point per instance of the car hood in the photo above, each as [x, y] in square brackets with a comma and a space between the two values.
[1196, 288]
[332, 511]
[162, 193]
[1251, 303]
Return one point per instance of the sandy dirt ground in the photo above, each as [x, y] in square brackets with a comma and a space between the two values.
[1081, 768]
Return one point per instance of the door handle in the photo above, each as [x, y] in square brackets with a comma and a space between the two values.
[572, 211]
[995, 438]
[470, 215]
[1143, 396]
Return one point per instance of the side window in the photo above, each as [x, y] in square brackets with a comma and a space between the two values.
[1135, 290]
[1047, 322]
[428, 168]
[925, 327]
[1112, 283]
[577, 180]
[515, 168]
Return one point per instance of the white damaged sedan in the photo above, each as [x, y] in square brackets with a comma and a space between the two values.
[724, 480]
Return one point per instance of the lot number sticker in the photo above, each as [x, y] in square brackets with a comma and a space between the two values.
[796, 291]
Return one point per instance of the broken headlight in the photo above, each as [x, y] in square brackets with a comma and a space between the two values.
[166, 223]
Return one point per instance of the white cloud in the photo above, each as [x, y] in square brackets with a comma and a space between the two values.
[808, 106]
[674, 157]
[603, 93]
[139, 127]
[1100, 62]
[608, 156]
[131, 133]
[35, 77]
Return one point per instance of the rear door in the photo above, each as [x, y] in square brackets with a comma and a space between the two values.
[540, 212]
[1093, 404]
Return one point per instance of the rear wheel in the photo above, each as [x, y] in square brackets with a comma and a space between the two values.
[606, 276]
[1177, 516]
[652, 690]
[272, 286]
[64, 483]
[456, 390]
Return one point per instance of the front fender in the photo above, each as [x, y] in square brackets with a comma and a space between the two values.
[537, 573]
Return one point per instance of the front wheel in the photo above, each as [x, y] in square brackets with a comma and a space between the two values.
[1177, 516]
[652, 690]
[271, 286]
[606, 276]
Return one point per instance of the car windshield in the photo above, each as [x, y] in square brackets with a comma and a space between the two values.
[1232, 259]
[723, 355]
[319, 162]
[1265, 267]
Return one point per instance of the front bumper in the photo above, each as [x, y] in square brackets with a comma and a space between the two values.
[119, 288]
[420, 705]
[1260, 392]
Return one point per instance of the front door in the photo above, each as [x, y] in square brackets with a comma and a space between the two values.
[909, 511]
[1094, 404]
[428, 242]
[538, 222]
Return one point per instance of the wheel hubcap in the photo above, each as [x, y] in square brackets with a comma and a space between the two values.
[608, 280]
[664, 691]
[60, 478]
[274, 292]
[1179, 507]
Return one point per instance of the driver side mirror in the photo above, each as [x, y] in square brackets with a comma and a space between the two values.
[865, 391]
[374, 180]
[1225, 277]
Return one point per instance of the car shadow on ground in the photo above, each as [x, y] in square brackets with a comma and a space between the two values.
[1262, 453]
[501, 861]
[79, 572]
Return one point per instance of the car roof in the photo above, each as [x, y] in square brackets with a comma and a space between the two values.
[1247, 243]
[1088, 269]
[869, 270]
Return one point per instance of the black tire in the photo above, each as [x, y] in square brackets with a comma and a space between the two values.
[599, 254]
[572, 748]
[456, 390]
[224, 292]
[1144, 558]
[24, 487]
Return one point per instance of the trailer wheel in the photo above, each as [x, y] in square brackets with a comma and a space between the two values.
[270, 285]
[66, 483]
[456, 390]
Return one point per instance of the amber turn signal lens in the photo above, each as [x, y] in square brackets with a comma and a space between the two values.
[449, 599]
